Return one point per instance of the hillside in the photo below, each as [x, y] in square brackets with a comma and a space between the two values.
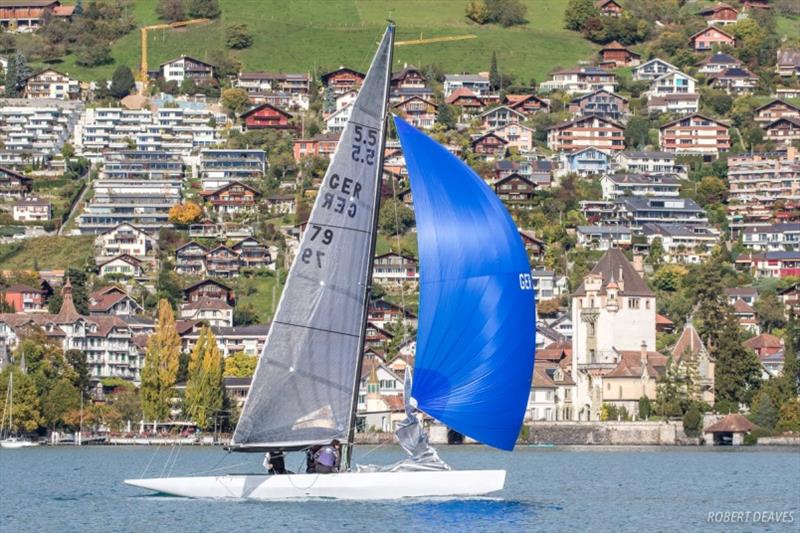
[330, 33]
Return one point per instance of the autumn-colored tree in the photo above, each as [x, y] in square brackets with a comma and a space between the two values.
[25, 409]
[240, 365]
[204, 390]
[234, 100]
[160, 365]
[185, 213]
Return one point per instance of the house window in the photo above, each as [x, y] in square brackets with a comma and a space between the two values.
[633, 303]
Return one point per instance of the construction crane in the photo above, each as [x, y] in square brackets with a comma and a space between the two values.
[172, 25]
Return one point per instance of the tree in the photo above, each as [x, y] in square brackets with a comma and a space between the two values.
[58, 401]
[245, 315]
[763, 411]
[171, 10]
[644, 407]
[93, 52]
[240, 365]
[395, 217]
[17, 75]
[737, 372]
[160, 365]
[769, 311]
[77, 360]
[448, 116]
[637, 132]
[477, 11]
[185, 213]
[578, 12]
[26, 407]
[208, 9]
[122, 82]
[235, 100]
[711, 190]
[506, 12]
[656, 254]
[710, 301]
[789, 419]
[128, 403]
[78, 11]
[67, 151]
[494, 73]
[692, 421]
[238, 36]
[204, 391]
[789, 384]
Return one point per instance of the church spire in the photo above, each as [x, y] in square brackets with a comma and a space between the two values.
[68, 313]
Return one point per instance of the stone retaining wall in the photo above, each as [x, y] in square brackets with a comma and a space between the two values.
[608, 433]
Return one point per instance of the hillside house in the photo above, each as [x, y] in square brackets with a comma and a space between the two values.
[209, 288]
[13, 184]
[342, 80]
[615, 55]
[112, 300]
[266, 82]
[518, 136]
[213, 312]
[695, 134]
[126, 239]
[185, 67]
[123, 265]
[336, 121]
[527, 104]
[601, 103]
[719, 14]
[784, 130]
[477, 83]
[409, 77]
[252, 253]
[31, 209]
[393, 270]
[650, 70]
[500, 116]
[533, 245]
[585, 162]
[23, 299]
[773, 238]
[674, 103]
[382, 312]
[636, 211]
[219, 167]
[515, 189]
[589, 131]
[52, 84]
[617, 185]
[649, 162]
[222, 262]
[610, 8]
[674, 82]
[709, 38]
[27, 15]
[190, 259]
[489, 146]
[320, 145]
[469, 102]
[280, 204]
[266, 116]
[788, 62]
[233, 198]
[418, 112]
[775, 109]
[681, 243]
[581, 80]
[604, 237]
[717, 63]
[734, 81]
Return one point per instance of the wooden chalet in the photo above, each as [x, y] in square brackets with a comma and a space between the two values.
[469, 102]
[720, 14]
[774, 110]
[783, 130]
[235, 197]
[616, 55]
[527, 103]
[266, 116]
[489, 145]
[609, 8]
[515, 189]
[408, 78]
[13, 184]
[342, 79]
[418, 112]
[208, 288]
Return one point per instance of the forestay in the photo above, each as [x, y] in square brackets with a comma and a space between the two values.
[475, 341]
[303, 388]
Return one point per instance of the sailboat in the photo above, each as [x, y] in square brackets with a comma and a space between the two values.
[475, 343]
[11, 442]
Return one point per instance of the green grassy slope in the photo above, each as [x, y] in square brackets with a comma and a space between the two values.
[306, 34]
[51, 252]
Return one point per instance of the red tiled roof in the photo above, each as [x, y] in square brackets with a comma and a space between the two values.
[734, 423]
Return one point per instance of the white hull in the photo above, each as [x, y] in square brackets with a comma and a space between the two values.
[343, 486]
[15, 444]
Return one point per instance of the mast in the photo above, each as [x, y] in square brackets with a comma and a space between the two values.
[373, 242]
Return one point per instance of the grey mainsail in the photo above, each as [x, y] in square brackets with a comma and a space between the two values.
[305, 385]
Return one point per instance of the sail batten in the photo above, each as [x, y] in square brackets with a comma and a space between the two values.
[303, 388]
[476, 336]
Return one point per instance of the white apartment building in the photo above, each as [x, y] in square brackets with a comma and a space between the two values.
[772, 238]
[31, 210]
[53, 85]
[674, 92]
[35, 129]
[650, 163]
[581, 80]
[144, 204]
[655, 68]
[617, 185]
[477, 83]
[126, 239]
[336, 122]
[219, 167]
[682, 244]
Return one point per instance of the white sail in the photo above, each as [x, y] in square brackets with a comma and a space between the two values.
[304, 387]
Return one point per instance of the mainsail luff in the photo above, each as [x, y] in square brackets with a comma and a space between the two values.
[303, 389]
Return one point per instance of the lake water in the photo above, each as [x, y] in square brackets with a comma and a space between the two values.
[558, 489]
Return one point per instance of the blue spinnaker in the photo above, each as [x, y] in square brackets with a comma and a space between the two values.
[476, 334]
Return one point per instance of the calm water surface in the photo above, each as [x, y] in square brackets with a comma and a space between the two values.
[559, 489]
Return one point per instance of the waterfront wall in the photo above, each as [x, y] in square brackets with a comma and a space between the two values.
[608, 433]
